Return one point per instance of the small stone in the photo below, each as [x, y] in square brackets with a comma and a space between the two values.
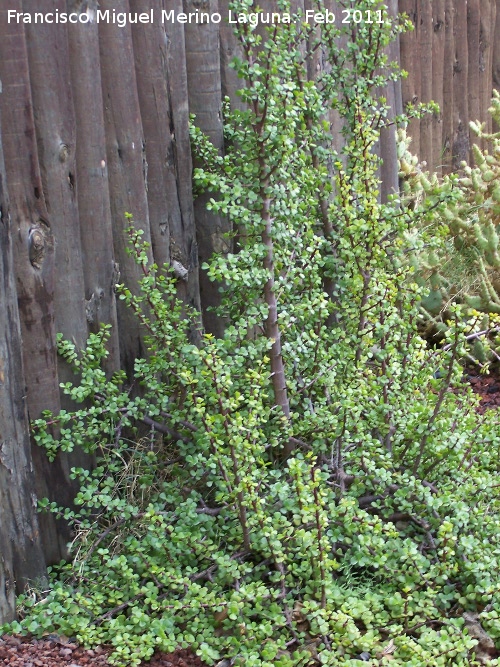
[12, 641]
[65, 652]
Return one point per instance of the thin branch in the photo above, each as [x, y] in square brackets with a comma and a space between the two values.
[473, 336]
[188, 425]
[163, 428]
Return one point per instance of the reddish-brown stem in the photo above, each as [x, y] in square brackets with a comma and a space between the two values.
[272, 326]
[320, 539]
[242, 511]
[437, 408]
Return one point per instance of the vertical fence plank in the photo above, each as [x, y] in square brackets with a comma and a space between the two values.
[94, 207]
[33, 247]
[203, 68]
[21, 557]
[126, 161]
[496, 56]
[411, 63]
[159, 58]
[460, 140]
[55, 125]
[438, 74]
[475, 70]
[424, 33]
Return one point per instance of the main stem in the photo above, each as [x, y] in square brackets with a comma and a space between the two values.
[272, 327]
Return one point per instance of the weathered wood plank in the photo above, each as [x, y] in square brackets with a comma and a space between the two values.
[21, 556]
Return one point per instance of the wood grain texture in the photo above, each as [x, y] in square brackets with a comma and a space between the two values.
[203, 68]
[93, 200]
[126, 163]
[21, 556]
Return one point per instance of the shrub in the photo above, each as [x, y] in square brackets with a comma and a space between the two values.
[303, 489]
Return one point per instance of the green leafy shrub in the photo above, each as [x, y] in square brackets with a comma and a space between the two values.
[303, 489]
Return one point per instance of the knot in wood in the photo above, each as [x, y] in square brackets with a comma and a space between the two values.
[36, 243]
[63, 152]
[201, 5]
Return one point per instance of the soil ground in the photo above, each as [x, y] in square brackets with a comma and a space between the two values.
[54, 652]
[487, 386]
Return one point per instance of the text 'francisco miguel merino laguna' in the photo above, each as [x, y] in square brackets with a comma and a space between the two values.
[121, 19]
